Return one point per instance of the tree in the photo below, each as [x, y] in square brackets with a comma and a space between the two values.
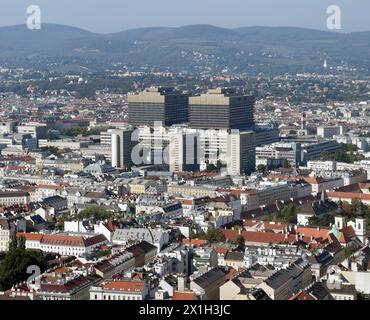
[96, 213]
[13, 269]
[286, 164]
[288, 214]
[240, 241]
[212, 236]
[349, 250]
[211, 168]
[346, 153]
[215, 235]
[324, 221]
[102, 253]
[199, 235]
[261, 168]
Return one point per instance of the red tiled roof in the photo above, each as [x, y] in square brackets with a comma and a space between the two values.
[349, 195]
[230, 234]
[183, 295]
[346, 234]
[262, 237]
[267, 237]
[30, 236]
[221, 250]
[313, 232]
[64, 240]
[75, 241]
[310, 180]
[62, 270]
[125, 285]
[196, 242]
[302, 296]
[15, 168]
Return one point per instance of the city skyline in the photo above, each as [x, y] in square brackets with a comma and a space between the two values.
[207, 163]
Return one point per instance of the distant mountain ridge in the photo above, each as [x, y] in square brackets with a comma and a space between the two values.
[194, 47]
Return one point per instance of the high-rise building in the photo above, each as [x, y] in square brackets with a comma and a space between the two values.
[241, 152]
[182, 151]
[121, 147]
[165, 105]
[221, 109]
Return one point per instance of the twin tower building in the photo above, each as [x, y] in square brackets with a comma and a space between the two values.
[212, 129]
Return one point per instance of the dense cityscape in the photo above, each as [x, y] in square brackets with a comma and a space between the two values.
[151, 183]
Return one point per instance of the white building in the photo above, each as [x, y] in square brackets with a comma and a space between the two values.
[120, 290]
[241, 152]
[121, 148]
[63, 244]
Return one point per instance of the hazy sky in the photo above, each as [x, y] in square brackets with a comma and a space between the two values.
[116, 15]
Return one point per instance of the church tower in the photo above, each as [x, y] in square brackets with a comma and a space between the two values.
[339, 217]
[360, 227]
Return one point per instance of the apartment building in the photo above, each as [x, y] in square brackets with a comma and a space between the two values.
[10, 198]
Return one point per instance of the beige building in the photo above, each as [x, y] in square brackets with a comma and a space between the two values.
[241, 152]
[242, 289]
[192, 191]
[7, 229]
[141, 186]
[10, 198]
[235, 260]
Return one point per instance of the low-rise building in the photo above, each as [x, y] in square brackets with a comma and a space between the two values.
[10, 198]
[126, 289]
[63, 244]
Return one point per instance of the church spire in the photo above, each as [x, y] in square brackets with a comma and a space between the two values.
[360, 210]
[340, 210]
